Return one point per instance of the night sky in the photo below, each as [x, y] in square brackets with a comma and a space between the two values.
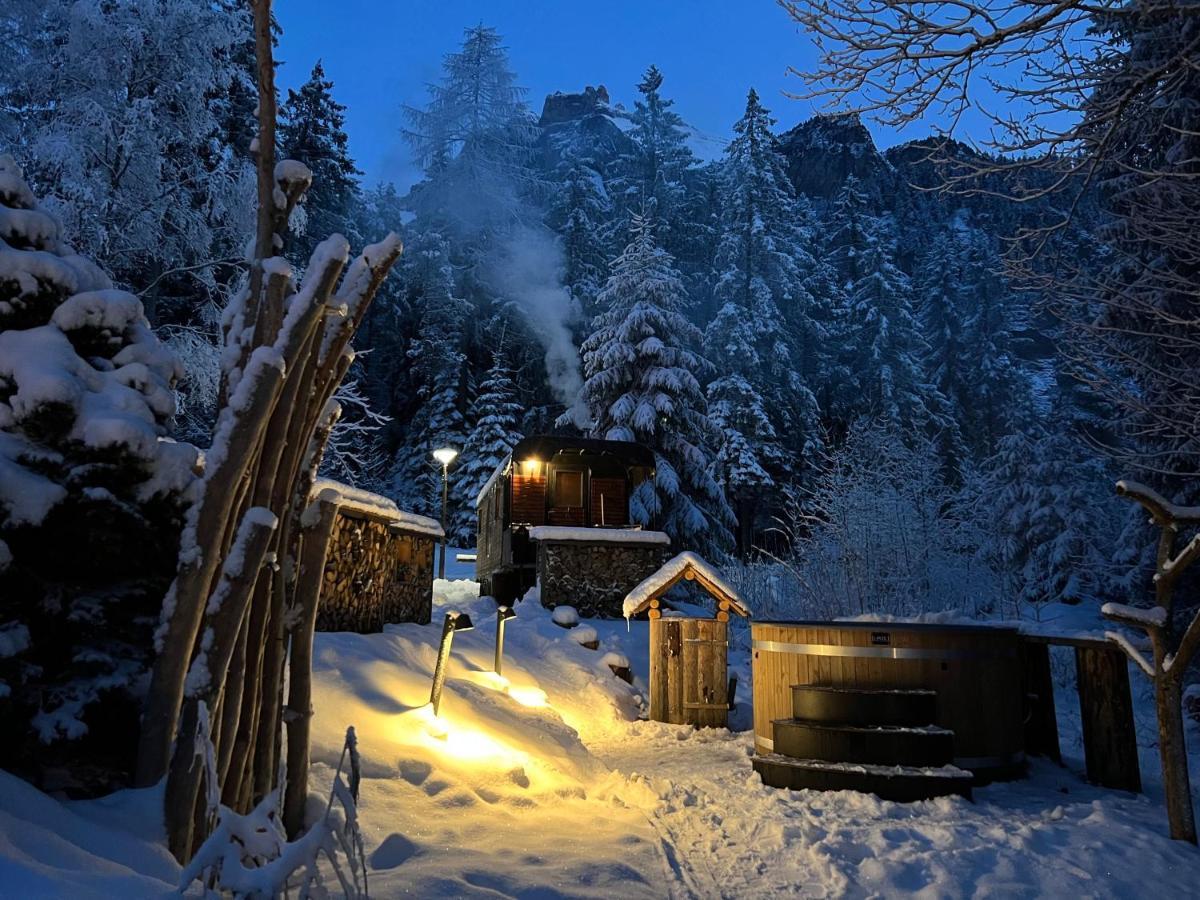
[381, 54]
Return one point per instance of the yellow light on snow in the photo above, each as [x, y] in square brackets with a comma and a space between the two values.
[528, 696]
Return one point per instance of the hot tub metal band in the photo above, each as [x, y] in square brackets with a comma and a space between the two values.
[879, 652]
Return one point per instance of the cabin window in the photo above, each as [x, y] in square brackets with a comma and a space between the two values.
[568, 489]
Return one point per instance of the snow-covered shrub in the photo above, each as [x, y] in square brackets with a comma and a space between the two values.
[90, 494]
[879, 532]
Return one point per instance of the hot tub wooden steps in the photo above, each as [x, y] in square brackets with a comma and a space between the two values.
[903, 784]
[858, 706]
[889, 745]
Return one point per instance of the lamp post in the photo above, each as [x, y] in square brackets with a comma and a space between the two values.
[444, 455]
[455, 621]
[503, 614]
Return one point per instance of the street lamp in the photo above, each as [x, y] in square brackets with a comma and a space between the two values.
[444, 455]
[455, 621]
[503, 614]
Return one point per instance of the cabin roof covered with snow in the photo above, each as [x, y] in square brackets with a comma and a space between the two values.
[543, 446]
[689, 566]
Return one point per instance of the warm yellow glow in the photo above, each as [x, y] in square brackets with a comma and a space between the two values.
[479, 749]
[530, 466]
[489, 679]
[528, 696]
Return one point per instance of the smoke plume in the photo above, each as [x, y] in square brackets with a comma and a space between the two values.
[528, 271]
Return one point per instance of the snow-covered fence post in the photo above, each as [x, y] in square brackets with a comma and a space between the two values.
[1172, 650]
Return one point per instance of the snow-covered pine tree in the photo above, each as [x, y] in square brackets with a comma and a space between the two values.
[643, 384]
[763, 323]
[1054, 520]
[884, 349]
[749, 446]
[474, 139]
[661, 168]
[493, 419]
[581, 212]
[312, 131]
[937, 290]
[90, 501]
[438, 373]
[388, 329]
[996, 385]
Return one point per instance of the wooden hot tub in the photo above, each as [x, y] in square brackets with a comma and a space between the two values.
[975, 670]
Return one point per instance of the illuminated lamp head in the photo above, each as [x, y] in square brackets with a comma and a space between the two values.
[445, 455]
[530, 466]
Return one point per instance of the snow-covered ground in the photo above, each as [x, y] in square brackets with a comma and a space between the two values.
[546, 784]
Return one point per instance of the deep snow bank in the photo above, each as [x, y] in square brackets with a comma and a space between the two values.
[499, 793]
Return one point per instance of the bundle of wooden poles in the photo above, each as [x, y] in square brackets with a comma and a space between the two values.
[241, 610]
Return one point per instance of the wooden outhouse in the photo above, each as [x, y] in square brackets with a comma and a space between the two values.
[689, 657]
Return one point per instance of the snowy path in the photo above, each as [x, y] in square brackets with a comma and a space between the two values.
[1051, 835]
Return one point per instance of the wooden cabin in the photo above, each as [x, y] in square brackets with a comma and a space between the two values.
[552, 481]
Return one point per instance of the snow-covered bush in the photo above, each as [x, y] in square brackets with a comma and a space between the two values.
[566, 616]
[879, 532]
[90, 492]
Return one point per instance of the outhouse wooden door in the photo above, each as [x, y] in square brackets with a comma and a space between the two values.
[688, 671]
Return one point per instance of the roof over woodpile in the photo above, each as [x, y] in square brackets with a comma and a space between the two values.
[375, 506]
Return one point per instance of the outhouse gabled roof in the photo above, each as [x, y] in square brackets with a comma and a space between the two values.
[686, 566]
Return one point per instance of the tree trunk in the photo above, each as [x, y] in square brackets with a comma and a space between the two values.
[1168, 702]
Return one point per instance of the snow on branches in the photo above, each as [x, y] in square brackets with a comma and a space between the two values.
[90, 487]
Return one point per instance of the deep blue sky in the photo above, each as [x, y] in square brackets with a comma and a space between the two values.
[381, 54]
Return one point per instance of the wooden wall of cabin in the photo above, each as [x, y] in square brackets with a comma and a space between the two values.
[489, 538]
[610, 505]
[528, 496]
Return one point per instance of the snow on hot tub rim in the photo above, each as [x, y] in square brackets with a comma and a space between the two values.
[892, 625]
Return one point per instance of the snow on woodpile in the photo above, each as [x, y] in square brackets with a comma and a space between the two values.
[376, 505]
[671, 571]
[602, 535]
